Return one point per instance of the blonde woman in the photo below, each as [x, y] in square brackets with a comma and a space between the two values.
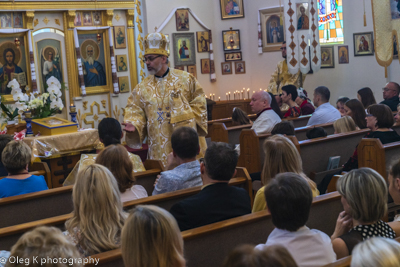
[38, 245]
[281, 155]
[364, 198]
[376, 252]
[98, 216]
[344, 124]
[151, 238]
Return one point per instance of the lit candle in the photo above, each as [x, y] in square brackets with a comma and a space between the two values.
[248, 93]
[213, 96]
[229, 95]
[72, 108]
[28, 114]
[226, 96]
[260, 89]
[219, 98]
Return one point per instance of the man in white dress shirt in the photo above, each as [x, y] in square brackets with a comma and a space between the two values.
[325, 112]
[266, 117]
[289, 199]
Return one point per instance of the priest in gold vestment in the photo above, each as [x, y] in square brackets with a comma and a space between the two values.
[166, 99]
[282, 76]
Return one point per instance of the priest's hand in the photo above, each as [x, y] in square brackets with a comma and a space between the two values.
[93, 70]
[129, 127]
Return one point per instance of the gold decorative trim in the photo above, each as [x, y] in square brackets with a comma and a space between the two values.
[130, 15]
[70, 18]
[70, 54]
[116, 112]
[57, 21]
[109, 17]
[29, 16]
[103, 103]
[46, 20]
[35, 22]
[55, 5]
[123, 112]
[91, 113]
[84, 105]
[117, 17]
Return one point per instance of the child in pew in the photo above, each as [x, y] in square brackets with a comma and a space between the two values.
[16, 157]
[284, 128]
[289, 199]
[116, 159]
[271, 256]
[376, 252]
[344, 124]
[316, 132]
[239, 117]
[110, 133]
[281, 155]
[35, 247]
[151, 237]
[97, 211]
[364, 198]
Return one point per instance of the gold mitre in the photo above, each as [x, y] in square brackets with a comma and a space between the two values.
[156, 44]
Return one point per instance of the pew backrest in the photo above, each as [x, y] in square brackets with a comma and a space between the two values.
[218, 239]
[301, 132]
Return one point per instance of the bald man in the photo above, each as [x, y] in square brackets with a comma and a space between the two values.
[391, 95]
[266, 116]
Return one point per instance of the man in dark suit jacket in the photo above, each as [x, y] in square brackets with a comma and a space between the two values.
[217, 201]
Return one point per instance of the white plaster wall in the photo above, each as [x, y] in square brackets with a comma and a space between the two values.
[343, 80]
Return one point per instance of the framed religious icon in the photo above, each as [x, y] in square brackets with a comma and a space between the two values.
[363, 44]
[119, 37]
[123, 83]
[343, 54]
[18, 20]
[272, 30]
[6, 20]
[182, 20]
[233, 56]
[96, 62]
[203, 41]
[78, 19]
[231, 40]
[179, 67]
[205, 65]
[240, 67]
[184, 49]
[87, 19]
[226, 68]
[14, 62]
[327, 57]
[192, 70]
[232, 9]
[122, 63]
[49, 60]
[97, 18]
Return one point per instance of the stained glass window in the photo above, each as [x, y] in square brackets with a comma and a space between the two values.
[330, 21]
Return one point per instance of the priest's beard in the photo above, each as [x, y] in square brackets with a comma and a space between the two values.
[90, 60]
[155, 69]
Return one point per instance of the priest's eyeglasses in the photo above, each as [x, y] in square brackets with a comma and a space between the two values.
[150, 59]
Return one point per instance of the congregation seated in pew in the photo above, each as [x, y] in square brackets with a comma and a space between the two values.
[151, 237]
[116, 159]
[280, 156]
[316, 132]
[16, 157]
[183, 170]
[289, 95]
[239, 117]
[340, 105]
[364, 198]
[284, 128]
[36, 247]
[217, 201]
[110, 133]
[394, 191]
[304, 102]
[97, 210]
[355, 109]
[289, 199]
[324, 112]
[247, 256]
[376, 252]
[366, 97]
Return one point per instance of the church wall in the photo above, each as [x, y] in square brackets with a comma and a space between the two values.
[343, 80]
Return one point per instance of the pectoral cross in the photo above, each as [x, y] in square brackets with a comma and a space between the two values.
[160, 116]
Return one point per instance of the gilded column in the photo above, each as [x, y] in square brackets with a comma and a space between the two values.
[130, 16]
[73, 83]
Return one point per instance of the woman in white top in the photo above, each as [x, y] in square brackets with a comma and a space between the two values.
[116, 159]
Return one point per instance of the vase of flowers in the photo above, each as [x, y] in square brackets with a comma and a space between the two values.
[41, 106]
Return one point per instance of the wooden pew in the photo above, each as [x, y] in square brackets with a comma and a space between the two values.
[314, 153]
[9, 235]
[227, 121]
[300, 121]
[346, 261]
[374, 155]
[302, 131]
[209, 245]
[58, 201]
